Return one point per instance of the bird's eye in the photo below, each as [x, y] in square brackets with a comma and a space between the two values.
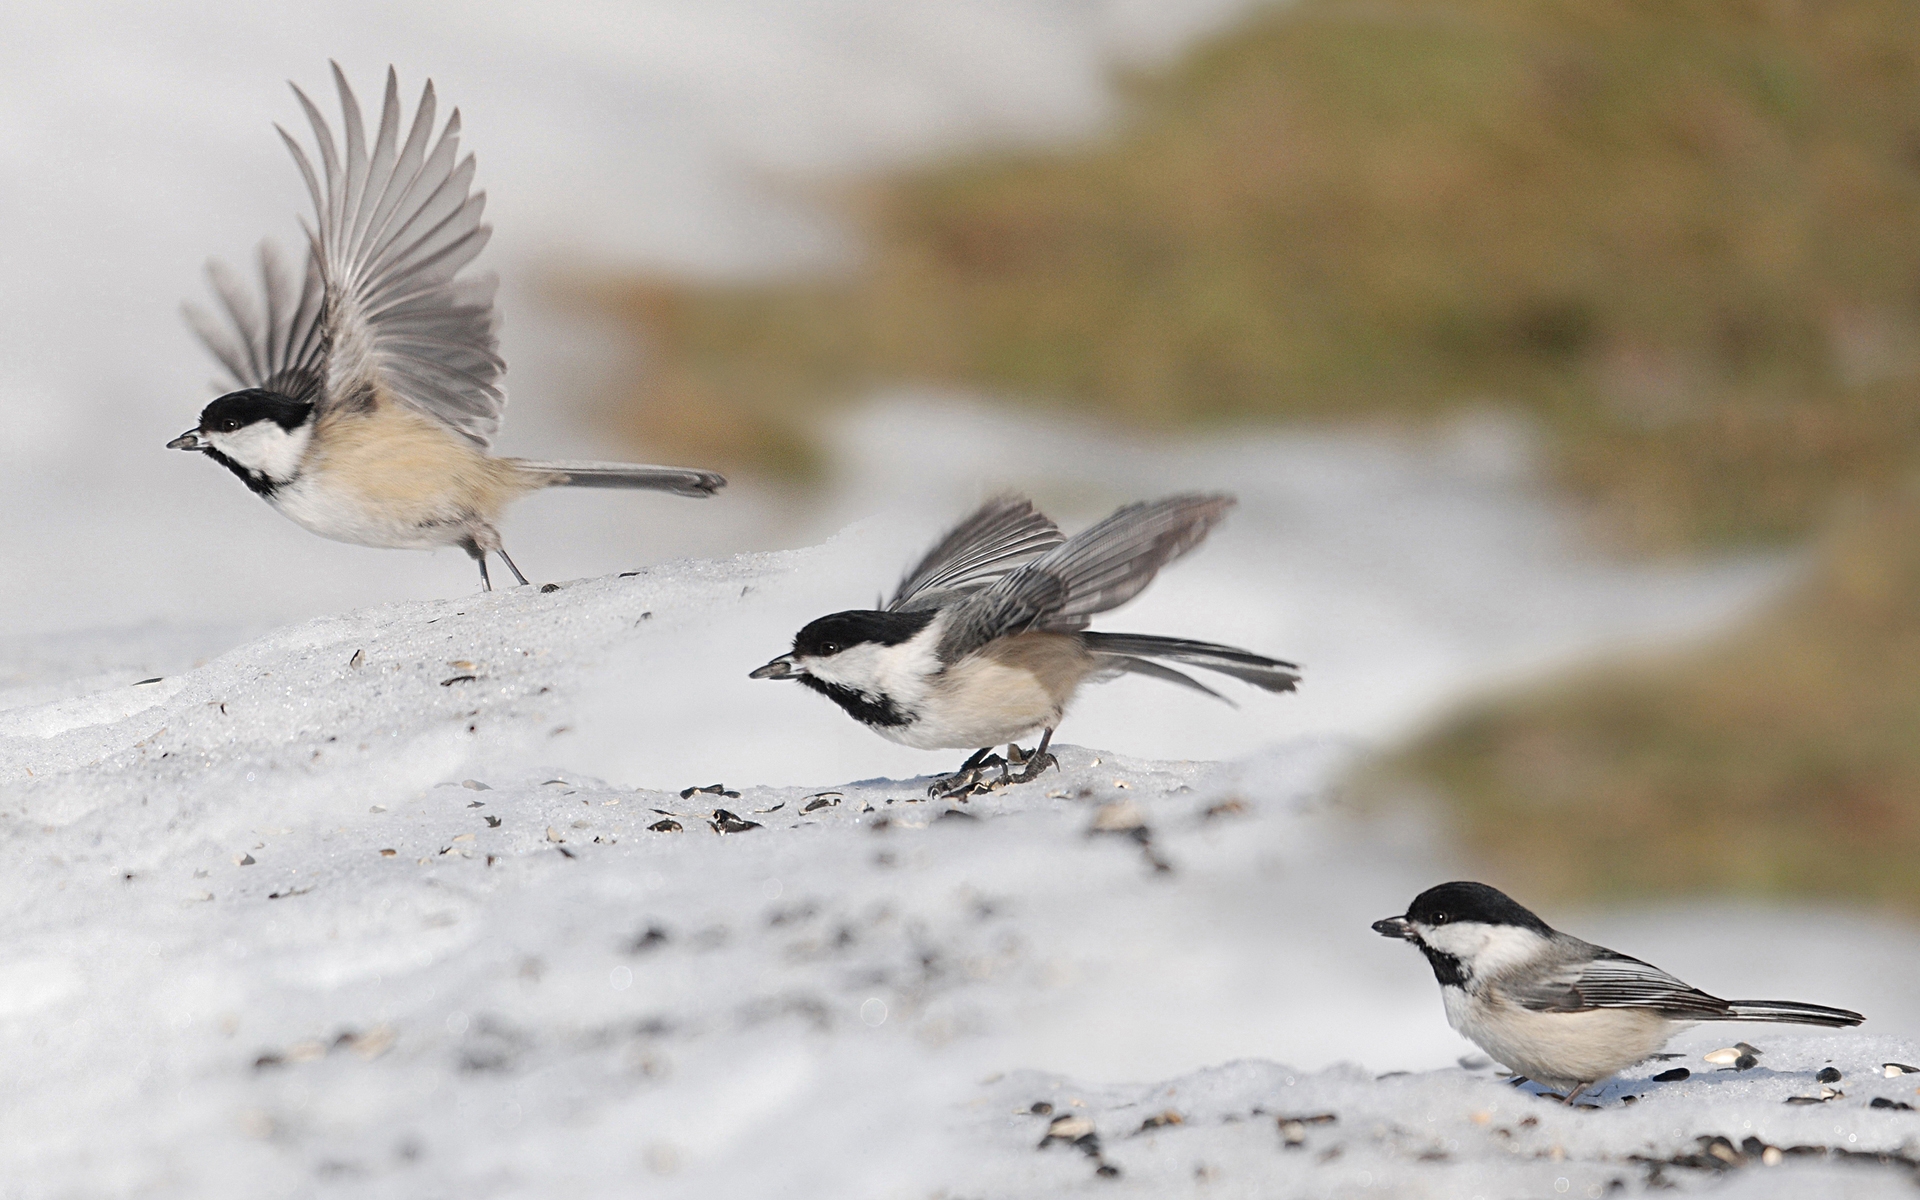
[830, 647]
[1440, 918]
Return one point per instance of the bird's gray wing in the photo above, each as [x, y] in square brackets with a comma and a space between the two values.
[281, 346]
[395, 224]
[1095, 570]
[1001, 535]
[1610, 980]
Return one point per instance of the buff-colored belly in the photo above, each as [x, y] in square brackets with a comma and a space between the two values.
[1566, 1048]
[399, 480]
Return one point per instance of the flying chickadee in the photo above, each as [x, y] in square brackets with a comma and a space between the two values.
[368, 388]
[1555, 1009]
[986, 640]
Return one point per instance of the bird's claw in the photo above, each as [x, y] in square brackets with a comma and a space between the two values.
[970, 782]
[1035, 764]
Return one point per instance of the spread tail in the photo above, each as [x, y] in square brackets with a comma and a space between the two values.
[1790, 1013]
[1135, 651]
[681, 481]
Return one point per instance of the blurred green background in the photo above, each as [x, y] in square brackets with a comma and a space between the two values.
[1682, 237]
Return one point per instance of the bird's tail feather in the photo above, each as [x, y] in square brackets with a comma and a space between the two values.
[1134, 649]
[1792, 1013]
[682, 481]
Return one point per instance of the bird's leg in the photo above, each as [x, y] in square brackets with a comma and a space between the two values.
[502, 552]
[1573, 1091]
[1036, 762]
[961, 783]
[479, 556]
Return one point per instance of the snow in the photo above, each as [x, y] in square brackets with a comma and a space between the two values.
[541, 990]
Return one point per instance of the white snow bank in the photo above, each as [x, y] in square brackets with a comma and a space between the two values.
[335, 914]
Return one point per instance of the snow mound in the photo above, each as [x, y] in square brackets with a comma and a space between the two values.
[329, 914]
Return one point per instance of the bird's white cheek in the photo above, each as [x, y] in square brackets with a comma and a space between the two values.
[265, 447]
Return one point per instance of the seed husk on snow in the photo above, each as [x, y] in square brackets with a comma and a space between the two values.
[1673, 1076]
[1828, 1075]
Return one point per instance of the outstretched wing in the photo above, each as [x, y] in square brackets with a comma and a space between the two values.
[1002, 534]
[395, 226]
[282, 348]
[1615, 981]
[380, 305]
[1095, 570]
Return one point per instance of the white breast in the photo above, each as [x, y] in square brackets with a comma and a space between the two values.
[975, 703]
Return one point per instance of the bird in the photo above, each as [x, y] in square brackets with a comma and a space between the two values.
[363, 389]
[1554, 1009]
[985, 640]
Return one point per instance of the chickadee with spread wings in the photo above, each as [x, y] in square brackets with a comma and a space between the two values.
[1555, 1009]
[986, 640]
[368, 387]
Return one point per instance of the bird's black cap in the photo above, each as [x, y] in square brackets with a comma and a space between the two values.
[237, 410]
[1464, 901]
[831, 634]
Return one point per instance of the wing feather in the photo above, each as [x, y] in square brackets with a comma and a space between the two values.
[381, 302]
[1096, 570]
[999, 536]
[1613, 980]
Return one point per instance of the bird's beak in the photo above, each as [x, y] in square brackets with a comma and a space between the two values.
[1393, 927]
[779, 668]
[190, 440]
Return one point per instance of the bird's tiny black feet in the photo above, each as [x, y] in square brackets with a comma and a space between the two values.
[969, 780]
[1034, 763]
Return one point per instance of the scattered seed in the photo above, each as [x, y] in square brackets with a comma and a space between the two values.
[725, 822]
[1157, 1120]
[1745, 1048]
[547, 589]
[955, 814]
[458, 679]
[358, 660]
[294, 892]
[1746, 1062]
[243, 860]
[1828, 1075]
[1673, 1076]
[776, 808]
[1121, 816]
[460, 664]
[819, 802]
[1883, 1102]
[475, 785]
[1771, 1156]
[652, 939]
[1040, 1108]
[388, 853]
[666, 825]
[377, 808]
[493, 822]
[1067, 1128]
[553, 835]
[1722, 1058]
[1892, 1070]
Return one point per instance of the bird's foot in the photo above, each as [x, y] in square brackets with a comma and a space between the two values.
[1032, 765]
[968, 781]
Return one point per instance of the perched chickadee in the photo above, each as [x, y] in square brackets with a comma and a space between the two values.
[368, 389]
[1555, 1009]
[986, 640]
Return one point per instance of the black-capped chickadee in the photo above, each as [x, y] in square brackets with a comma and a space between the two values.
[985, 641]
[1550, 1007]
[368, 388]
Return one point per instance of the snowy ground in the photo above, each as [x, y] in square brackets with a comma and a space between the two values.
[334, 914]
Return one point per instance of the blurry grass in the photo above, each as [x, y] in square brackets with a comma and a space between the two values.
[1683, 234]
[1782, 760]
